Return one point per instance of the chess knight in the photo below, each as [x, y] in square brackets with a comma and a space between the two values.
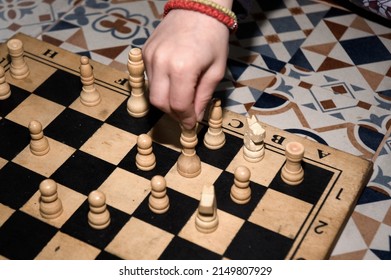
[253, 149]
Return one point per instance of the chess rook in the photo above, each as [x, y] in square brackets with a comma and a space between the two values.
[145, 158]
[292, 172]
[89, 95]
[50, 206]
[137, 104]
[19, 68]
[158, 200]
[98, 216]
[215, 138]
[39, 144]
[5, 89]
[189, 163]
[206, 219]
[240, 190]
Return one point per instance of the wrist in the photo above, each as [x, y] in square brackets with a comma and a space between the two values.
[213, 9]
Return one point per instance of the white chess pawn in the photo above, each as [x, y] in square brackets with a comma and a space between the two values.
[145, 158]
[50, 205]
[39, 144]
[5, 89]
[292, 172]
[18, 69]
[206, 219]
[158, 199]
[240, 190]
[89, 95]
[189, 163]
[98, 216]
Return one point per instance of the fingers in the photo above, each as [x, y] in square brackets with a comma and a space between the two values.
[158, 80]
[206, 87]
[182, 92]
[183, 83]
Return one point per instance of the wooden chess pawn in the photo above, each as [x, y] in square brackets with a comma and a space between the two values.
[98, 216]
[19, 68]
[5, 89]
[50, 205]
[189, 163]
[292, 172]
[89, 95]
[137, 104]
[240, 190]
[145, 158]
[39, 144]
[158, 199]
[206, 220]
[215, 138]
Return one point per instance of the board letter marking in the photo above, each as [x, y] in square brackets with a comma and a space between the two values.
[278, 139]
[318, 228]
[122, 81]
[235, 123]
[339, 194]
[322, 154]
[50, 53]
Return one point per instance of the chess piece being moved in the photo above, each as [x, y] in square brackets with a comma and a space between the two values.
[39, 144]
[206, 219]
[158, 199]
[292, 172]
[137, 104]
[145, 158]
[89, 94]
[254, 146]
[98, 216]
[19, 68]
[189, 163]
[215, 138]
[5, 89]
[240, 190]
[50, 206]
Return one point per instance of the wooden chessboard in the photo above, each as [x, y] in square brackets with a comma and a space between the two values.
[94, 148]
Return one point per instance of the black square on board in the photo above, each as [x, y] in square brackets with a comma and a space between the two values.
[83, 172]
[72, 128]
[22, 236]
[61, 87]
[223, 186]
[180, 210]
[258, 243]
[103, 255]
[78, 227]
[18, 184]
[120, 118]
[9, 104]
[166, 158]
[181, 249]
[13, 139]
[222, 157]
[311, 189]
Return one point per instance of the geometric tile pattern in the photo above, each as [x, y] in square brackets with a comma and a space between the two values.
[31, 17]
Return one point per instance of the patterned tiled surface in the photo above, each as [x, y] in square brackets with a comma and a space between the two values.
[308, 67]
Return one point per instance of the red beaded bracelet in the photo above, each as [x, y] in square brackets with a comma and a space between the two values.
[202, 8]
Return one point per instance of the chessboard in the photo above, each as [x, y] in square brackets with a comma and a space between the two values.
[94, 148]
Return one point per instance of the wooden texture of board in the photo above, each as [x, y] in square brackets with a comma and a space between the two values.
[94, 148]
